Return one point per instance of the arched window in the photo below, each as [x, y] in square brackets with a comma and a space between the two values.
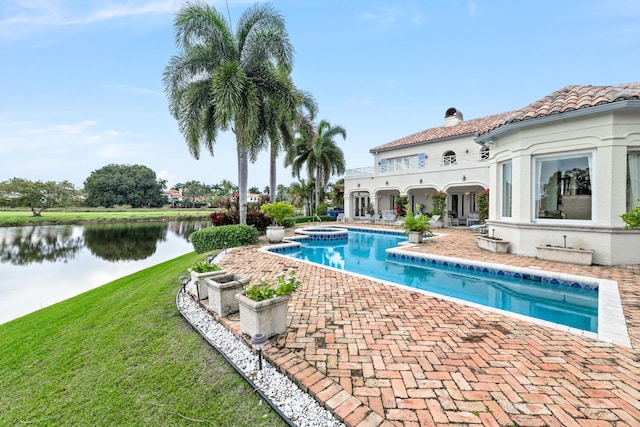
[449, 158]
[484, 153]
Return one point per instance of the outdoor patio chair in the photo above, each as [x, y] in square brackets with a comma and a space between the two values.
[366, 218]
[341, 218]
[388, 216]
[432, 221]
[374, 218]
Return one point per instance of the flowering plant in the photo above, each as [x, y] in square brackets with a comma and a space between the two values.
[483, 205]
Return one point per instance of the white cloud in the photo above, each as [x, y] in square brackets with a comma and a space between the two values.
[393, 16]
[118, 151]
[136, 90]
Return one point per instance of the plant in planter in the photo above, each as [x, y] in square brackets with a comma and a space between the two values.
[279, 212]
[263, 307]
[492, 243]
[200, 271]
[632, 218]
[416, 227]
[483, 206]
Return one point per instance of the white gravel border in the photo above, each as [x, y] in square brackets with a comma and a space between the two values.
[299, 407]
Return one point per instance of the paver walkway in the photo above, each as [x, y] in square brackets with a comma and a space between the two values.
[378, 355]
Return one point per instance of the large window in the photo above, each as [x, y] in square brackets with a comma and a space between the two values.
[633, 180]
[563, 187]
[506, 190]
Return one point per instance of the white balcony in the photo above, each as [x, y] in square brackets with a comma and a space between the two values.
[426, 165]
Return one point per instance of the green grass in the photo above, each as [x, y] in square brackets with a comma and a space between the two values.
[121, 354]
[16, 217]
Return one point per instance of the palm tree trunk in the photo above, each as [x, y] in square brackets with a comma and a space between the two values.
[318, 176]
[243, 175]
[272, 175]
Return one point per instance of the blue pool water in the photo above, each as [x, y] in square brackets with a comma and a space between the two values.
[362, 252]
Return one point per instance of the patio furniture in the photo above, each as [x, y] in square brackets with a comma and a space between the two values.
[388, 216]
[341, 218]
[474, 218]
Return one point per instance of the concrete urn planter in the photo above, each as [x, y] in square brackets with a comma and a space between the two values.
[222, 292]
[565, 255]
[268, 317]
[415, 236]
[492, 245]
[197, 286]
[275, 233]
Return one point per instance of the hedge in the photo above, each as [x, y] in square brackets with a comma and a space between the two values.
[222, 237]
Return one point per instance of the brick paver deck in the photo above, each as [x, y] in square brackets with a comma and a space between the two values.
[379, 355]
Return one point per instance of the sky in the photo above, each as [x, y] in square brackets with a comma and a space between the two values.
[81, 81]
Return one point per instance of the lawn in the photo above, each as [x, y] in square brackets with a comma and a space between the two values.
[121, 354]
[16, 217]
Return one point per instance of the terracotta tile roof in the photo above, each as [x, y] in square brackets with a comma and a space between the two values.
[571, 98]
[568, 98]
[474, 127]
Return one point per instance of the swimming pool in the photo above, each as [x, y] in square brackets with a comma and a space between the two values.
[569, 301]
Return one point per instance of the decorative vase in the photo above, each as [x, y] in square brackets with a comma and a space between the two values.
[268, 317]
[197, 286]
[275, 233]
[222, 292]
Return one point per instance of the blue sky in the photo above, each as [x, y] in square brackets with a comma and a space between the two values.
[81, 81]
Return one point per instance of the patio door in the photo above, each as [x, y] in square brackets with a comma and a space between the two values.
[360, 205]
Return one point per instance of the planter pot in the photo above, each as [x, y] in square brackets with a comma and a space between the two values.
[415, 236]
[566, 255]
[275, 234]
[268, 317]
[492, 245]
[222, 292]
[197, 286]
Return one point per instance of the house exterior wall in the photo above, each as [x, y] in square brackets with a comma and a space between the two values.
[606, 134]
[420, 178]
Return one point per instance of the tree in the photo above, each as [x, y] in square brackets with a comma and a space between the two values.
[37, 195]
[283, 123]
[300, 194]
[135, 185]
[222, 81]
[195, 193]
[316, 147]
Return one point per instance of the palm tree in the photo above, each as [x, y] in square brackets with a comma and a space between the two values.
[300, 193]
[222, 81]
[282, 124]
[316, 147]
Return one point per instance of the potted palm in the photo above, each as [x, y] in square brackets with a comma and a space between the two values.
[263, 306]
[416, 227]
[278, 212]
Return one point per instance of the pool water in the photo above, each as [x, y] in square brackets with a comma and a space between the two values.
[366, 253]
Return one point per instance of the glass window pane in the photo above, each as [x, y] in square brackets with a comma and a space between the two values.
[563, 187]
[506, 190]
[633, 180]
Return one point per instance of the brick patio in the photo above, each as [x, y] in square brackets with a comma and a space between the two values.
[379, 355]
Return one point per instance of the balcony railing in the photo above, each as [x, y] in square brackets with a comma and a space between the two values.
[426, 165]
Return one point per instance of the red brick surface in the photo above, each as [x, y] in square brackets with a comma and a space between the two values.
[380, 355]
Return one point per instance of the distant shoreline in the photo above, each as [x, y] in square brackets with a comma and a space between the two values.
[17, 218]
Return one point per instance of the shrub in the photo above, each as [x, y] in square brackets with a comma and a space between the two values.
[259, 220]
[632, 219]
[225, 236]
[483, 205]
[204, 267]
[439, 203]
[278, 211]
[221, 218]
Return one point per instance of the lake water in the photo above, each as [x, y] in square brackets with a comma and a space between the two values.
[42, 265]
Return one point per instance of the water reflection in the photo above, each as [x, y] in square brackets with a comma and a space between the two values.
[114, 242]
[27, 245]
[42, 265]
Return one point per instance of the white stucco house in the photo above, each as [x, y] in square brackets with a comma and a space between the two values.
[564, 167]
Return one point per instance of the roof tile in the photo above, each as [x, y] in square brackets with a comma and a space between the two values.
[568, 98]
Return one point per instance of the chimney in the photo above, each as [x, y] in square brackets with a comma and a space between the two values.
[452, 117]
